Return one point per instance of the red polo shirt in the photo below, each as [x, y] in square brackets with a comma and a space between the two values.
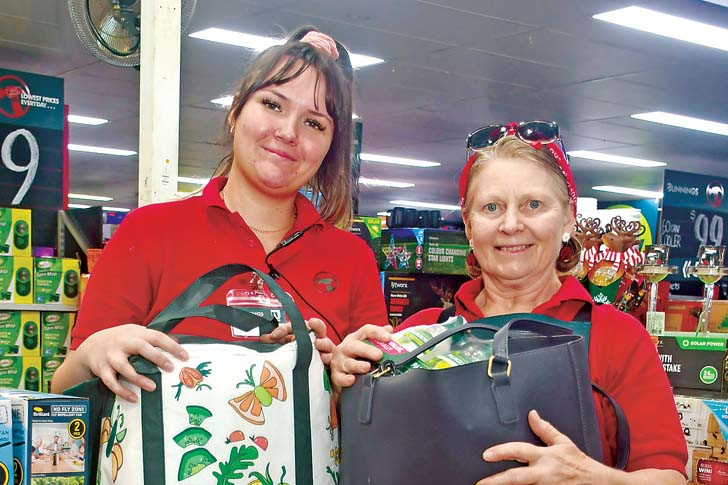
[160, 249]
[623, 361]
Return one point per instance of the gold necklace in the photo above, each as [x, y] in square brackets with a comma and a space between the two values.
[267, 231]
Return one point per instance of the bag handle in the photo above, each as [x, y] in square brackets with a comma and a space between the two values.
[500, 340]
[187, 304]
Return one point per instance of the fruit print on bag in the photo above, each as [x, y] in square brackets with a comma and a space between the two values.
[250, 405]
[192, 378]
[113, 433]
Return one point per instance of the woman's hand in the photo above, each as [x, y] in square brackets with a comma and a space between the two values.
[346, 361]
[558, 463]
[106, 353]
[284, 334]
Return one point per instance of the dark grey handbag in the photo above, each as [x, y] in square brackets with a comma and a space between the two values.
[432, 426]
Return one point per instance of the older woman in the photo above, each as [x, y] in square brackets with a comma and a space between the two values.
[519, 200]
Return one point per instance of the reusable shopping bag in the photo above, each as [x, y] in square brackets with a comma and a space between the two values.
[417, 426]
[233, 413]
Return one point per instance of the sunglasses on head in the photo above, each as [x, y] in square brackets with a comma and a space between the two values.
[532, 132]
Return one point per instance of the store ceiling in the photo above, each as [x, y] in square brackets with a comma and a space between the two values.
[451, 66]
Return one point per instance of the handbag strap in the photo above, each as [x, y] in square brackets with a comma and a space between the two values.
[622, 429]
[537, 327]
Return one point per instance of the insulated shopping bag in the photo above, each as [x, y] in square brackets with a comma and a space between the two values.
[432, 426]
[234, 413]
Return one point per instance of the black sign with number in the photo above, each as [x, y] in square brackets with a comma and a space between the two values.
[32, 167]
[694, 213]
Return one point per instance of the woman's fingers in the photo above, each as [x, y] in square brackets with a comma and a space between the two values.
[318, 326]
[546, 431]
[108, 377]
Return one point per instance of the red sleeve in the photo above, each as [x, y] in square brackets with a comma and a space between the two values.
[422, 317]
[121, 287]
[624, 362]
[367, 299]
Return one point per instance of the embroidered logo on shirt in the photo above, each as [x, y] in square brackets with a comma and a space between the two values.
[325, 282]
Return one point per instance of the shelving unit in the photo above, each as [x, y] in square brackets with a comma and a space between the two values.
[48, 307]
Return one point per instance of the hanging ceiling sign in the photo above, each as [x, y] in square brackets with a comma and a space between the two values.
[33, 161]
[694, 213]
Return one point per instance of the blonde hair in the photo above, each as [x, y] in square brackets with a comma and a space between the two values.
[331, 188]
[510, 147]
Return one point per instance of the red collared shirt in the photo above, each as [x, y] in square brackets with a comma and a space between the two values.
[160, 249]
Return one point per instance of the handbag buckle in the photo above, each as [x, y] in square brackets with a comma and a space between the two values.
[385, 368]
[490, 366]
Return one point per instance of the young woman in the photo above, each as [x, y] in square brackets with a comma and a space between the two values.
[290, 129]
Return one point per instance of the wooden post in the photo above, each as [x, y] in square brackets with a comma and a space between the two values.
[159, 95]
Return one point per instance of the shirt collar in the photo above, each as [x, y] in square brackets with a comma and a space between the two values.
[307, 215]
[569, 290]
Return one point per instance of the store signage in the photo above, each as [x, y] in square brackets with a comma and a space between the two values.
[32, 148]
[694, 213]
[693, 362]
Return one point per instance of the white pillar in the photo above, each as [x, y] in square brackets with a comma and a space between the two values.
[159, 100]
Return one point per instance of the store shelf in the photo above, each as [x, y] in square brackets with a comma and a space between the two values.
[49, 307]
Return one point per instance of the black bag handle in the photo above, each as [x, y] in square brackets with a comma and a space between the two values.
[187, 304]
[540, 328]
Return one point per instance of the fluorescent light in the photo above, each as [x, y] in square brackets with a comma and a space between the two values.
[684, 122]
[103, 150]
[360, 60]
[101, 198]
[385, 183]
[259, 43]
[86, 120]
[255, 42]
[603, 157]
[647, 194]
[192, 180]
[668, 25]
[426, 205]
[369, 157]
[78, 206]
[387, 214]
[116, 209]
[224, 101]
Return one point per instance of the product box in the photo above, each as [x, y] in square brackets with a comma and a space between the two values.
[49, 438]
[693, 362]
[369, 229]
[56, 333]
[408, 294]
[16, 280]
[17, 372]
[416, 250]
[705, 426]
[15, 232]
[19, 333]
[682, 315]
[6, 442]
[57, 280]
[49, 366]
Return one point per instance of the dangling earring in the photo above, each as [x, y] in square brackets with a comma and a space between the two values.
[568, 248]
